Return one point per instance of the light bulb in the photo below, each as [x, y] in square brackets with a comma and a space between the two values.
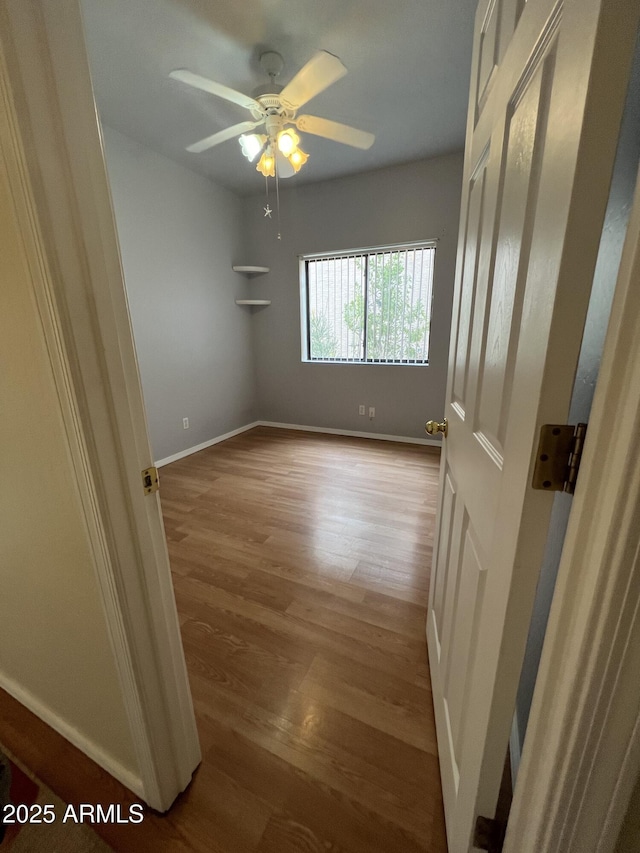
[298, 158]
[251, 145]
[267, 164]
[287, 141]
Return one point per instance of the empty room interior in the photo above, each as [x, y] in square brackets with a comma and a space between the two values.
[300, 550]
[290, 194]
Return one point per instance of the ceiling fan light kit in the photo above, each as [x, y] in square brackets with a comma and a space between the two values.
[267, 164]
[276, 108]
[298, 158]
[288, 141]
[252, 144]
[272, 158]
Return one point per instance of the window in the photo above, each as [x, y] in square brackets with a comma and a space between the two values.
[370, 306]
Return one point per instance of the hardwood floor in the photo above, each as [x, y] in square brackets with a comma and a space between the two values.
[301, 567]
[301, 570]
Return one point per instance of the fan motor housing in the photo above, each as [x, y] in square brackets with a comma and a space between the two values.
[271, 106]
[270, 101]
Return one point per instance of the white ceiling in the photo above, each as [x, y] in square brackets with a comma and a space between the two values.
[408, 64]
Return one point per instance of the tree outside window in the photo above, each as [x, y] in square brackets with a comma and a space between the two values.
[371, 307]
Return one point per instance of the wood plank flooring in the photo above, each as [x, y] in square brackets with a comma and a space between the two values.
[301, 570]
[301, 566]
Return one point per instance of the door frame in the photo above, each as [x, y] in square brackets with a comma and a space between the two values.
[50, 143]
[581, 755]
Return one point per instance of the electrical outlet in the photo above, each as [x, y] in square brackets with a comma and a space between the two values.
[361, 410]
[372, 411]
[185, 423]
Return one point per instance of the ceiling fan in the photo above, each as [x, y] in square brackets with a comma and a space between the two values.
[276, 108]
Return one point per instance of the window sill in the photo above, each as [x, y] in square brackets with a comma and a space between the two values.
[363, 363]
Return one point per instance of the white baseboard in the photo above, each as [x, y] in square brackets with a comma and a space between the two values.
[356, 434]
[403, 439]
[81, 741]
[182, 453]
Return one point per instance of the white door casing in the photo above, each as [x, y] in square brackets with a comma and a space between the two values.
[581, 756]
[547, 92]
[58, 177]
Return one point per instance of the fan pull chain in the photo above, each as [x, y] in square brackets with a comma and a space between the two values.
[267, 209]
[278, 200]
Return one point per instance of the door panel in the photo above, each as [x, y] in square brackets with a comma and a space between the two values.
[496, 29]
[541, 137]
[467, 607]
[489, 48]
[439, 580]
[468, 293]
[453, 598]
[451, 578]
[501, 322]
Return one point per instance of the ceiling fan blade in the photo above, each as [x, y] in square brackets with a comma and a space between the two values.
[336, 131]
[319, 73]
[206, 85]
[222, 136]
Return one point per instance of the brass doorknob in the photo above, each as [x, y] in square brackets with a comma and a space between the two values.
[433, 427]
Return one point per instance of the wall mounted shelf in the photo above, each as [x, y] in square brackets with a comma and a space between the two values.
[249, 270]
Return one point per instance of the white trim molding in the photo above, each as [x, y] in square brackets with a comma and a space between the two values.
[181, 454]
[78, 739]
[514, 748]
[403, 439]
[581, 755]
[51, 143]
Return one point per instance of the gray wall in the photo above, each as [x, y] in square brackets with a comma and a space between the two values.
[222, 365]
[398, 204]
[179, 236]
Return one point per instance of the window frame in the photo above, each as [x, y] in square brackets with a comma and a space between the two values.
[305, 317]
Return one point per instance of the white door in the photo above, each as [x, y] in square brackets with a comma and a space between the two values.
[547, 91]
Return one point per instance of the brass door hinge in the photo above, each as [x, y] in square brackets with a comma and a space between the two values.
[558, 457]
[150, 482]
